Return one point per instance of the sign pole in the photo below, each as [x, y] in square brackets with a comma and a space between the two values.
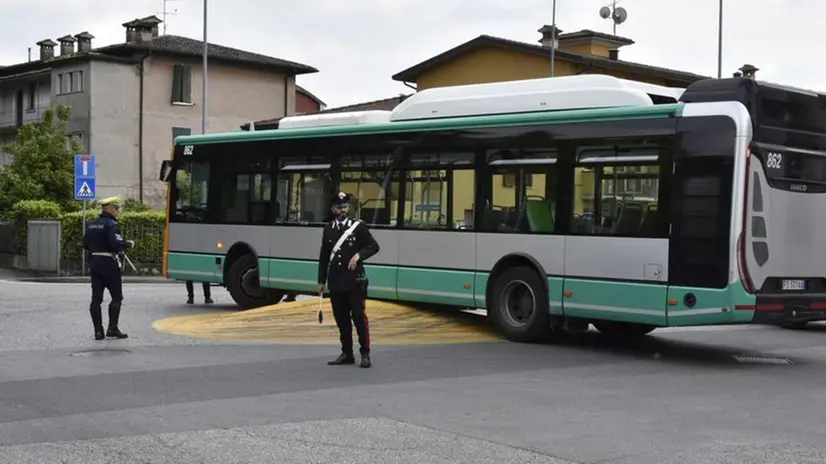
[83, 253]
[84, 191]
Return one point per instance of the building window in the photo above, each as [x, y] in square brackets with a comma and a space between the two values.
[70, 82]
[32, 103]
[182, 83]
[75, 136]
[179, 131]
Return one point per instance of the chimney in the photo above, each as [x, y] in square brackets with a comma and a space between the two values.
[151, 22]
[144, 34]
[749, 70]
[549, 37]
[46, 49]
[67, 45]
[84, 42]
[613, 55]
[131, 30]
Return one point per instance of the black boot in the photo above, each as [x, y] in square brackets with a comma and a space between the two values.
[342, 359]
[190, 300]
[365, 360]
[114, 315]
[97, 321]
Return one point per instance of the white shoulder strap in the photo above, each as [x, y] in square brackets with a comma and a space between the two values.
[343, 237]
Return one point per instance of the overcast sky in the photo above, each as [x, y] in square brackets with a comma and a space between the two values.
[358, 44]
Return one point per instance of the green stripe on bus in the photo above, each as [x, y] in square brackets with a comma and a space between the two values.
[589, 298]
[195, 267]
[555, 117]
[615, 301]
[711, 306]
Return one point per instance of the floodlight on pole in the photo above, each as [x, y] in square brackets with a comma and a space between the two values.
[617, 15]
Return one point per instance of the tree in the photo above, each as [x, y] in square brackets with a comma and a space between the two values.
[42, 165]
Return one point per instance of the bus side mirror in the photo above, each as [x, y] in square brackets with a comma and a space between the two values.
[166, 171]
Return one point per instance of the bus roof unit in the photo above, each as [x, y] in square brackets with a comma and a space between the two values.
[772, 106]
[334, 119]
[532, 95]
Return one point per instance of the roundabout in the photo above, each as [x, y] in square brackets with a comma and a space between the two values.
[295, 323]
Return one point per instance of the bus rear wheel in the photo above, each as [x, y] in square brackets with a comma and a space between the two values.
[518, 305]
[244, 285]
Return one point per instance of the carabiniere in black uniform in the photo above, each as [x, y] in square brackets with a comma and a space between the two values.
[104, 242]
[348, 287]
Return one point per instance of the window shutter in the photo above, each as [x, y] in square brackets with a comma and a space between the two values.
[186, 85]
[177, 82]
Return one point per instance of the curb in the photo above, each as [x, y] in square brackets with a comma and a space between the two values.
[86, 280]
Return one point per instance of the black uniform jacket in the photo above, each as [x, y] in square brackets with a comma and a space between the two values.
[103, 235]
[361, 241]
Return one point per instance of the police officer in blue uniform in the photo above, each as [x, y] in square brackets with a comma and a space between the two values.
[342, 270]
[105, 247]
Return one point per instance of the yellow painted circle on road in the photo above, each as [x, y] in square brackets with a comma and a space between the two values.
[296, 322]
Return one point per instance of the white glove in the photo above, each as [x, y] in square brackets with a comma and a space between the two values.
[131, 243]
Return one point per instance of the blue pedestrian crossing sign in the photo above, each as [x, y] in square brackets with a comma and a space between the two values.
[85, 177]
[84, 189]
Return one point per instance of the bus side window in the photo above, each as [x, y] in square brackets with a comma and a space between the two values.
[616, 194]
[304, 190]
[519, 198]
[374, 183]
[190, 191]
[440, 189]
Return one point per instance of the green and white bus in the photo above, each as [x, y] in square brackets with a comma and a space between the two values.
[551, 203]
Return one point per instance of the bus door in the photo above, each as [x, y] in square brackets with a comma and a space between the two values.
[700, 242]
[615, 262]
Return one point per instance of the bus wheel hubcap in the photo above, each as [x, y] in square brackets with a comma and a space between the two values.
[249, 283]
[518, 303]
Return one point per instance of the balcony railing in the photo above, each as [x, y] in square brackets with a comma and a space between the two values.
[11, 118]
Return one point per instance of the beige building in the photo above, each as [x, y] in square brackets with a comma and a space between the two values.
[131, 99]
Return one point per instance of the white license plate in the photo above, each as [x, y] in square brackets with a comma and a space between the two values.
[794, 285]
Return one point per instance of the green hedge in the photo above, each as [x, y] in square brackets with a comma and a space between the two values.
[145, 228]
[22, 212]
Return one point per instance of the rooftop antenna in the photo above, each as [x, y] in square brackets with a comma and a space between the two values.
[166, 13]
[617, 15]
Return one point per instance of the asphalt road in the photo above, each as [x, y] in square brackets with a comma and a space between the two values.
[743, 395]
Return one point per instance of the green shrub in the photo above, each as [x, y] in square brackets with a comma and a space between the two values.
[22, 211]
[132, 205]
[145, 228]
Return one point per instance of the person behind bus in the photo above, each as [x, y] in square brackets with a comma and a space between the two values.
[190, 291]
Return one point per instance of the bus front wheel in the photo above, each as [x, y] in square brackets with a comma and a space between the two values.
[518, 305]
[244, 286]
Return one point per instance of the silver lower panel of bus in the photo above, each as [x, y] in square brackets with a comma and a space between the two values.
[637, 259]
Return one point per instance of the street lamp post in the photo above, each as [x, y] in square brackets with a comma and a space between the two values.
[720, 40]
[553, 39]
[204, 84]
